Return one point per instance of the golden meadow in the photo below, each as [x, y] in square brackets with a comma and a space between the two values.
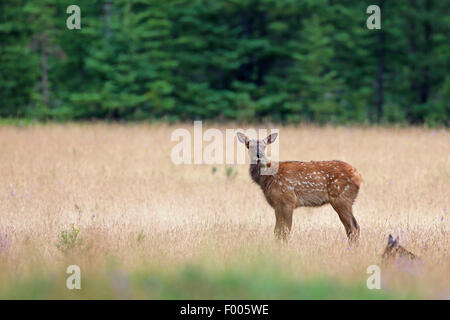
[108, 198]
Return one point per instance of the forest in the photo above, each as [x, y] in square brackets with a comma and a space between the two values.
[288, 61]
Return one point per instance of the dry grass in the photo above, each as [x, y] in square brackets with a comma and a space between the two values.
[115, 182]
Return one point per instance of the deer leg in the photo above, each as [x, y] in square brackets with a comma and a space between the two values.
[278, 224]
[283, 215]
[345, 213]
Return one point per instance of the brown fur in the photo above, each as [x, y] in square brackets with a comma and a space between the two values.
[395, 251]
[306, 184]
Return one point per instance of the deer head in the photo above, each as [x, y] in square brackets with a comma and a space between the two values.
[256, 148]
[392, 247]
[395, 251]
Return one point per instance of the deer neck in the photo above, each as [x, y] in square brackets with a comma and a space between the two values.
[255, 173]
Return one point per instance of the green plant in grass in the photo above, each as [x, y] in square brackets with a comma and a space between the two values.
[69, 239]
[230, 172]
[141, 236]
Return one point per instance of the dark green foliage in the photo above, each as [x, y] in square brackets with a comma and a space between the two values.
[250, 60]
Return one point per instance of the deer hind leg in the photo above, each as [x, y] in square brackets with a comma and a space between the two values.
[283, 215]
[343, 207]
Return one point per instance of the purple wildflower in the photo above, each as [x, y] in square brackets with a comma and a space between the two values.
[5, 242]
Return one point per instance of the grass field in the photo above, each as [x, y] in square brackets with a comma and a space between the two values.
[141, 227]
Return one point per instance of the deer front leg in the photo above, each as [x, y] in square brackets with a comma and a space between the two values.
[283, 224]
[345, 212]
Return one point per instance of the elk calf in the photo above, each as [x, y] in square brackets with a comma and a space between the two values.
[304, 184]
[395, 251]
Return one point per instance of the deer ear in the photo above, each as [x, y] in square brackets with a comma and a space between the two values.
[242, 138]
[390, 240]
[396, 242]
[271, 138]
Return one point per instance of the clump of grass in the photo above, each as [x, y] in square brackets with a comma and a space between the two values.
[141, 236]
[69, 239]
[230, 172]
[78, 208]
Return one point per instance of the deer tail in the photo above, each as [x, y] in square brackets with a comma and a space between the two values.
[356, 177]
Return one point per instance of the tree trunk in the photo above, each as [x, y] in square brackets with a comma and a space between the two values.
[412, 52]
[107, 13]
[262, 63]
[424, 88]
[381, 65]
[44, 68]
